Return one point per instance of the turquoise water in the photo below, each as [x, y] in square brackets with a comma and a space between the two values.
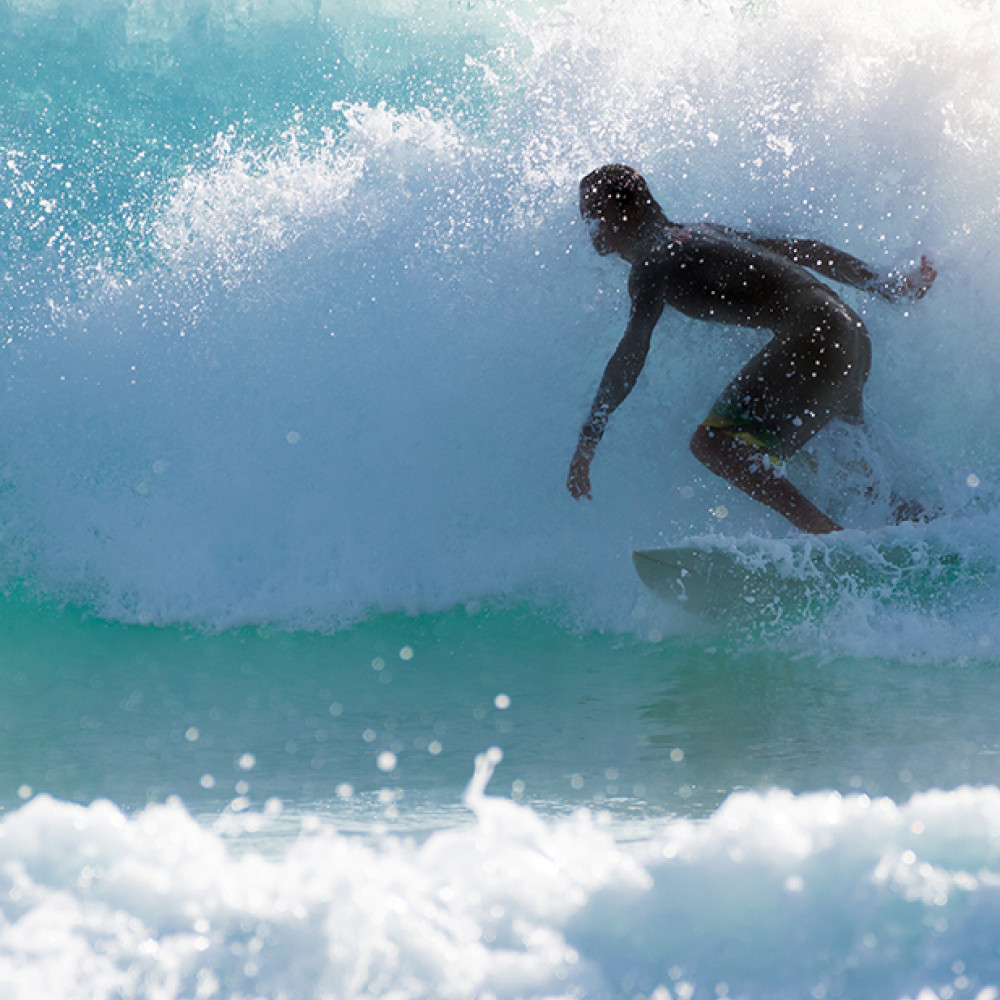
[314, 682]
[316, 712]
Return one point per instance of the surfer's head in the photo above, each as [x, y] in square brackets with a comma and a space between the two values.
[616, 201]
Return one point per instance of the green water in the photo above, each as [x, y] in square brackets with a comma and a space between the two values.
[93, 709]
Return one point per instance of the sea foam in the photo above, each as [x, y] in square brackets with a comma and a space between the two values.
[774, 895]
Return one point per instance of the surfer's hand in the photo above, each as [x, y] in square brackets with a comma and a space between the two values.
[578, 480]
[916, 284]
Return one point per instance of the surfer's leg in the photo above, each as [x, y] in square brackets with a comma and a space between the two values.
[751, 469]
[812, 371]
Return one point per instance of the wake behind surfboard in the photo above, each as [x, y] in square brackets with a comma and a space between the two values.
[718, 576]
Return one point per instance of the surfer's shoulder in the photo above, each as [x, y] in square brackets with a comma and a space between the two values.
[663, 255]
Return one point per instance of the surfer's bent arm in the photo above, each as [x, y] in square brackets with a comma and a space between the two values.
[620, 375]
[848, 269]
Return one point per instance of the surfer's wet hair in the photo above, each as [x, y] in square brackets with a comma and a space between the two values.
[613, 182]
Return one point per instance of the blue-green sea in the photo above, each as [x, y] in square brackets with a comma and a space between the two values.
[315, 683]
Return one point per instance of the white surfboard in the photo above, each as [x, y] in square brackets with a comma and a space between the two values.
[726, 576]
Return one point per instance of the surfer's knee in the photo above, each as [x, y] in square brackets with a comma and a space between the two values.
[713, 446]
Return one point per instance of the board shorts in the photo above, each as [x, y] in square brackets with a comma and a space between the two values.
[728, 415]
[812, 371]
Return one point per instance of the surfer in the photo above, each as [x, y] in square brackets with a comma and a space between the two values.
[811, 371]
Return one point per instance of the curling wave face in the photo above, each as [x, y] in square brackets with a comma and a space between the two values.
[317, 347]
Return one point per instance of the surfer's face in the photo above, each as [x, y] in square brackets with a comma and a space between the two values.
[612, 225]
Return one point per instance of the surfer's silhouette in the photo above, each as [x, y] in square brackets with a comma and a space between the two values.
[812, 370]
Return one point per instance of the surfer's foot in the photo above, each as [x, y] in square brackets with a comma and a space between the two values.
[814, 521]
[909, 510]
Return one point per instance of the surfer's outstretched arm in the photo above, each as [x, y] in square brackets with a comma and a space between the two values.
[848, 269]
[619, 377]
